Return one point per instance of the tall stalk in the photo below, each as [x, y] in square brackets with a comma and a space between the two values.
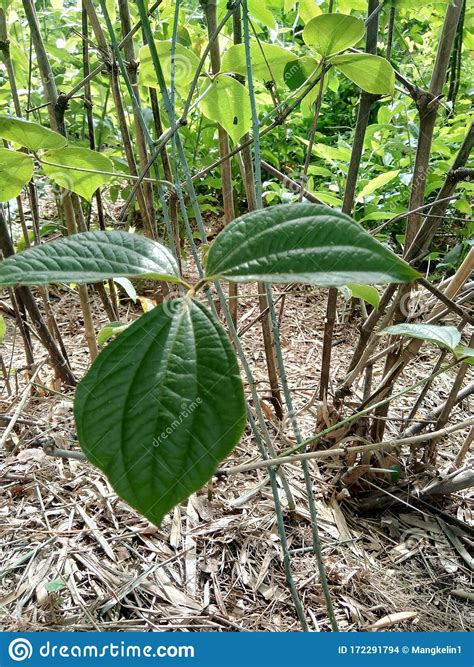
[112, 71]
[56, 109]
[365, 105]
[261, 434]
[427, 103]
[210, 12]
[131, 65]
[276, 334]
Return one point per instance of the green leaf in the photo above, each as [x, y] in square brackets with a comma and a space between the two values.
[16, 169]
[3, 329]
[331, 33]
[111, 330]
[89, 257]
[55, 586]
[377, 183]
[365, 292]
[395, 474]
[227, 102]
[186, 64]
[259, 12]
[447, 337]
[461, 352]
[30, 135]
[308, 9]
[298, 71]
[111, 10]
[303, 243]
[371, 73]
[268, 61]
[78, 169]
[161, 406]
[128, 288]
[333, 154]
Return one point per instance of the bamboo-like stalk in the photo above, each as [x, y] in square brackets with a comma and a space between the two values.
[464, 450]
[51, 320]
[210, 11]
[418, 426]
[131, 65]
[413, 347]
[430, 452]
[56, 110]
[250, 191]
[365, 105]
[428, 103]
[261, 433]
[146, 214]
[367, 340]
[58, 362]
[339, 452]
[109, 304]
[276, 338]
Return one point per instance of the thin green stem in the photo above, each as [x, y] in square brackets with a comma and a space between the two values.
[265, 443]
[276, 334]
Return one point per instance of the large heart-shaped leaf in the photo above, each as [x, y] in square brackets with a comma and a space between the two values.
[444, 336]
[185, 64]
[78, 169]
[89, 257]
[16, 169]
[268, 61]
[331, 33]
[227, 102]
[161, 406]
[371, 73]
[303, 243]
[30, 135]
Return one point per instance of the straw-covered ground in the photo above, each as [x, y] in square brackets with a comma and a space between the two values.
[75, 557]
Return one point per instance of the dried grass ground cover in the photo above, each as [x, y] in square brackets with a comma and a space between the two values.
[75, 557]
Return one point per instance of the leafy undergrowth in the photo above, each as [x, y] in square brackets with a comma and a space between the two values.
[74, 556]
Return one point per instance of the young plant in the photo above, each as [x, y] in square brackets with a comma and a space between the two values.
[163, 404]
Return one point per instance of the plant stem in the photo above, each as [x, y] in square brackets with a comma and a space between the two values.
[58, 362]
[347, 451]
[279, 357]
[428, 110]
[365, 104]
[210, 10]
